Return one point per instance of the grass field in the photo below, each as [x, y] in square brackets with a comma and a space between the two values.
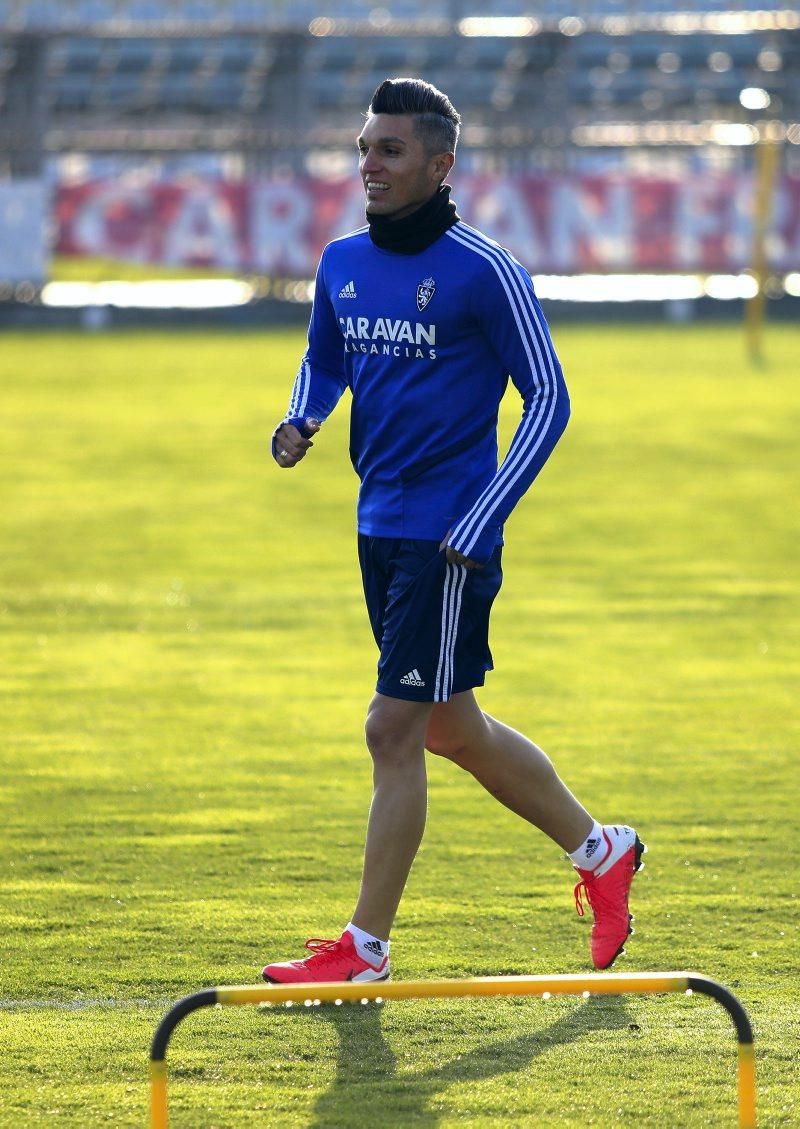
[185, 666]
[81, 268]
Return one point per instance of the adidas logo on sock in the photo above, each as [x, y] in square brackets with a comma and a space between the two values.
[413, 678]
[591, 846]
[348, 291]
[374, 947]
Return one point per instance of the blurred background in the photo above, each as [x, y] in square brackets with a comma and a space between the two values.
[189, 159]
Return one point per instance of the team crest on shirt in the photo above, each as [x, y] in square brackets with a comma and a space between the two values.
[425, 291]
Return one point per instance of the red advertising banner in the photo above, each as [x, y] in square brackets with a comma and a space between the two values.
[553, 224]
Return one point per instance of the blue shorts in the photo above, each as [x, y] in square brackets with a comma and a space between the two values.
[430, 619]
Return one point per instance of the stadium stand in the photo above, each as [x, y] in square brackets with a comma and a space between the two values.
[231, 73]
[65, 13]
[264, 87]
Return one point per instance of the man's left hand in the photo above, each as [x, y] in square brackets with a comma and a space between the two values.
[454, 557]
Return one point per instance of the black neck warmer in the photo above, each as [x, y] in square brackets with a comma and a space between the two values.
[415, 232]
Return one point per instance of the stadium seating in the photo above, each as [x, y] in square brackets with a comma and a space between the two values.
[239, 57]
[199, 73]
[24, 14]
[121, 74]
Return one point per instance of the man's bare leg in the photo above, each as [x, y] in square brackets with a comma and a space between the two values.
[512, 769]
[521, 776]
[395, 733]
[509, 766]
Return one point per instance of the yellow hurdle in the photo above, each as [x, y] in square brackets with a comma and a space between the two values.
[607, 984]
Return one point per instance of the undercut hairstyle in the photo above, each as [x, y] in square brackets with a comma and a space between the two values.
[437, 122]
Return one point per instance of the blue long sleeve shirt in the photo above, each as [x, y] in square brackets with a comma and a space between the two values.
[426, 344]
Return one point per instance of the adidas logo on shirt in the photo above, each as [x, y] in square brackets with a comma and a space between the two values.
[413, 678]
[348, 291]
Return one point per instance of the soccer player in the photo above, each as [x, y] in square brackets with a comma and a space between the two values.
[424, 319]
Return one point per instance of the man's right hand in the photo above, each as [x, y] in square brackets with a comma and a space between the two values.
[289, 445]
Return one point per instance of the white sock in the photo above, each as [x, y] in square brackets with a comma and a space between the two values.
[369, 948]
[592, 850]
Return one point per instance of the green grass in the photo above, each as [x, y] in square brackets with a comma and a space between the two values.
[80, 268]
[185, 665]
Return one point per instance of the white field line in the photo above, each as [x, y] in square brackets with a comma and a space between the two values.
[81, 1005]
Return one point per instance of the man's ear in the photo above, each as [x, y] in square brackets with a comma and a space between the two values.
[444, 163]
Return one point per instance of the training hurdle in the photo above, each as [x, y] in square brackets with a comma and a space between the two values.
[604, 984]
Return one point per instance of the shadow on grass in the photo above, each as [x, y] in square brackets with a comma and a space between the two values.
[369, 1090]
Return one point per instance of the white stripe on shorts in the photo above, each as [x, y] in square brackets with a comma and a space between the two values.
[454, 581]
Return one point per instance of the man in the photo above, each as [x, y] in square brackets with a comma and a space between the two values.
[424, 318]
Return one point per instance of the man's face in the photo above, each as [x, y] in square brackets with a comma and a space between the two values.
[397, 173]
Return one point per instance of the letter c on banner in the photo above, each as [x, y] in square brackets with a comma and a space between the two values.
[93, 226]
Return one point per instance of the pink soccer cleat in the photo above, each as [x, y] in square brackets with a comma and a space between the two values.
[332, 961]
[607, 889]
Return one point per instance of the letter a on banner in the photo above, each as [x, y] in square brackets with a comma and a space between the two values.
[280, 217]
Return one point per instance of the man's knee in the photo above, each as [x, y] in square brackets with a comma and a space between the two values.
[395, 730]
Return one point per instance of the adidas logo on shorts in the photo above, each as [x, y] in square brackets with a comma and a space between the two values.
[413, 678]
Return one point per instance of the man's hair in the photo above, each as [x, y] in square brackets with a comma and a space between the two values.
[437, 121]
